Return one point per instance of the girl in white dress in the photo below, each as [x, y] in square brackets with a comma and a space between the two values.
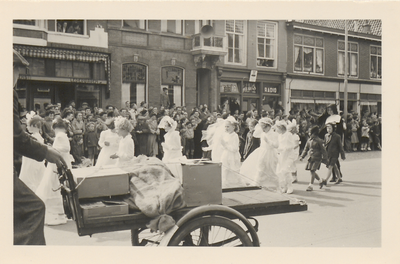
[293, 130]
[31, 170]
[230, 157]
[285, 156]
[172, 146]
[126, 147]
[109, 143]
[53, 199]
[260, 165]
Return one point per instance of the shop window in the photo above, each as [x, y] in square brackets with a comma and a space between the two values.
[172, 78]
[308, 54]
[229, 87]
[87, 93]
[134, 82]
[70, 26]
[376, 62]
[134, 24]
[352, 52]
[172, 26]
[235, 30]
[63, 68]
[81, 70]
[266, 41]
[36, 66]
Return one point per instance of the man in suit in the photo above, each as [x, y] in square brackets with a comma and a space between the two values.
[334, 147]
[29, 209]
[164, 99]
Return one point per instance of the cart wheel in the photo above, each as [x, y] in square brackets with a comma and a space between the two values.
[144, 238]
[212, 231]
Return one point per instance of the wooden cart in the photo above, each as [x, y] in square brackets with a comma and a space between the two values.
[229, 224]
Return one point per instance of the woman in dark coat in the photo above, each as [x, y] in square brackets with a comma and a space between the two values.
[339, 129]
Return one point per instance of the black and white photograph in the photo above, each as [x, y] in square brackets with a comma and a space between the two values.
[203, 130]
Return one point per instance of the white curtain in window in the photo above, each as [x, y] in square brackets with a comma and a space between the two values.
[319, 61]
[140, 92]
[125, 92]
[178, 95]
[341, 63]
[353, 69]
[298, 60]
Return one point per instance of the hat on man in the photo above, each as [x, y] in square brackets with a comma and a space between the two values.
[19, 60]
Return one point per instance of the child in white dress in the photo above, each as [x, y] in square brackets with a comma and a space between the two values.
[285, 157]
[260, 166]
[46, 190]
[230, 157]
[293, 130]
[31, 170]
[109, 143]
[126, 147]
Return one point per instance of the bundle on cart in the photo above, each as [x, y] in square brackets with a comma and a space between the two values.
[154, 191]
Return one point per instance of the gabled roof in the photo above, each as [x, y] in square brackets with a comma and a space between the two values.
[355, 25]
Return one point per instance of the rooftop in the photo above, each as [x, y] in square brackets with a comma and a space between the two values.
[354, 25]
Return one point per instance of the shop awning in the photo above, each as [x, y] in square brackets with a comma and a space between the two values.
[302, 101]
[369, 103]
[63, 54]
[325, 101]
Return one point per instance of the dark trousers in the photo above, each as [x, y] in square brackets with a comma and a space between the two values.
[29, 213]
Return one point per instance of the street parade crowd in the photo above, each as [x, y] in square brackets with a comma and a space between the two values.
[253, 148]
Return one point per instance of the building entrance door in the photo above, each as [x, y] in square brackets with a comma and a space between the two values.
[250, 104]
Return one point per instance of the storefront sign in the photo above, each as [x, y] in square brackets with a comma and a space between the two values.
[253, 76]
[271, 90]
[61, 79]
[250, 88]
[228, 87]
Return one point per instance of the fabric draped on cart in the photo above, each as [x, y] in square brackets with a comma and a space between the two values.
[154, 191]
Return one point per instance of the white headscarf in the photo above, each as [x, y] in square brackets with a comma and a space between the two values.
[168, 120]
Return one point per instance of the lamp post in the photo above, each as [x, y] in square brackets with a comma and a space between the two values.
[346, 62]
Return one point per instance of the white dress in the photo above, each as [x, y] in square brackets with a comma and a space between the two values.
[230, 159]
[285, 160]
[173, 153]
[126, 151]
[50, 182]
[295, 152]
[106, 151]
[260, 166]
[31, 170]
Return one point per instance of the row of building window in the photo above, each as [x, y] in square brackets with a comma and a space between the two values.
[308, 50]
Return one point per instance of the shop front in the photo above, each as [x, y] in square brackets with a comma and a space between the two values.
[245, 96]
[61, 76]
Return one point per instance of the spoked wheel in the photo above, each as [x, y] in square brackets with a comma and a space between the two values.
[143, 237]
[211, 231]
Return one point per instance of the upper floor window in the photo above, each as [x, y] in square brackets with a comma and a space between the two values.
[172, 26]
[266, 41]
[25, 22]
[198, 24]
[308, 54]
[134, 24]
[352, 51]
[70, 27]
[376, 62]
[235, 30]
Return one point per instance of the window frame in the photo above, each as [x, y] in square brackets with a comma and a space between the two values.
[84, 34]
[40, 24]
[183, 89]
[275, 45]
[146, 82]
[243, 49]
[164, 26]
[349, 53]
[370, 62]
[302, 45]
[145, 22]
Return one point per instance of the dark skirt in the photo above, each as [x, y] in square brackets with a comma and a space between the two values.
[332, 161]
[313, 165]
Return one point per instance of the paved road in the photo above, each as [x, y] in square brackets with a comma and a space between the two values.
[344, 215]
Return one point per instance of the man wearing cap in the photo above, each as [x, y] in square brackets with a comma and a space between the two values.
[29, 210]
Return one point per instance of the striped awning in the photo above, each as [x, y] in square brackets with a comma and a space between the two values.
[63, 54]
[368, 103]
[302, 101]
